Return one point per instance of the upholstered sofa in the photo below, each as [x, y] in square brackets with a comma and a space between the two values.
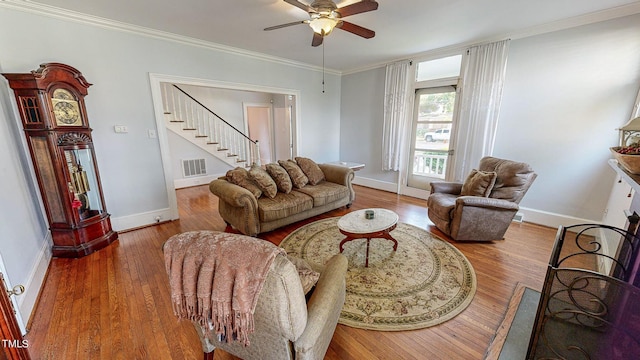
[252, 215]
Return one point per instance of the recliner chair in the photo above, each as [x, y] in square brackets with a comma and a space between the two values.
[482, 208]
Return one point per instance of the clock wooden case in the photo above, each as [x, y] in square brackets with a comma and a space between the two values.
[51, 105]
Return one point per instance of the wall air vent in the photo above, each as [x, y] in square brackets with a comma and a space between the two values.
[194, 167]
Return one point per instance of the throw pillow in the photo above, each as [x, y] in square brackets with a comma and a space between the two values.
[311, 170]
[479, 183]
[240, 176]
[308, 276]
[281, 177]
[264, 181]
[298, 178]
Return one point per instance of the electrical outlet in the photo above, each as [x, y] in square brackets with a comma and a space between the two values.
[519, 217]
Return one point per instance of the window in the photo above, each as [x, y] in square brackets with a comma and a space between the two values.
[439, 68]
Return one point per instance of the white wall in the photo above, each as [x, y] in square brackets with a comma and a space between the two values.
[118, 63]
[361, 114]
[565, 94]
[182, 149]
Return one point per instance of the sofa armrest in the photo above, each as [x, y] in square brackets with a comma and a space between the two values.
[337, 174]
[237, 206]
[446, 187]
[323, 310]
[340, 175]
[232, 194]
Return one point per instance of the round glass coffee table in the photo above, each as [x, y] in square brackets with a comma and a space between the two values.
[355, 225]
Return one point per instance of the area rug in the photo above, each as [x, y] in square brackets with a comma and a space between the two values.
[427, 281]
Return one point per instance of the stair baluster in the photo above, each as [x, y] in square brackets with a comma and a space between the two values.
[218, 136]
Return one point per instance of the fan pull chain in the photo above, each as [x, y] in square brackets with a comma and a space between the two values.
[323, 62]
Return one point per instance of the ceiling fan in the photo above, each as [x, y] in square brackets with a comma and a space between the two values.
[324, 16]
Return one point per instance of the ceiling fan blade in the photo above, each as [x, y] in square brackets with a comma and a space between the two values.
[300, 5]
[356, 29]
[357, 8]
[317, 39]
[287, 24]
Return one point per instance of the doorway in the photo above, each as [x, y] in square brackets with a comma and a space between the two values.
[433, 127]
[167, 162]
[260, 128]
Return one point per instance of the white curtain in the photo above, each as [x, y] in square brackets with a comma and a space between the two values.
[396, 114]
[636, 107]
[481, 94]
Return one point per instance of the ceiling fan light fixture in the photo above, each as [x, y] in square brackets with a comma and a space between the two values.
[323, 25]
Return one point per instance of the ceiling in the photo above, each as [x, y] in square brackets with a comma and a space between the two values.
[404, 28]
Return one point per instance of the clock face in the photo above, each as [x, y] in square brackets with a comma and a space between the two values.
[65, 108]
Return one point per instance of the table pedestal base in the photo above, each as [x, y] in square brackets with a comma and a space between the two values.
[384, 234]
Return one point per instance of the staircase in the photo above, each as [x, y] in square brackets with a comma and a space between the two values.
[190, 119]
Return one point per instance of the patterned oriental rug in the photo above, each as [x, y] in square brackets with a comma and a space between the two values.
[425, 282]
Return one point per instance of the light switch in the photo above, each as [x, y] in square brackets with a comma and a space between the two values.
[121, 129]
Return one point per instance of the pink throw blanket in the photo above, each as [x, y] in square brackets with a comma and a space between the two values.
[216, 277]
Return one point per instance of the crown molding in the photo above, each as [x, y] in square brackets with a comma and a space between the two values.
[74, 16]
[568, 23]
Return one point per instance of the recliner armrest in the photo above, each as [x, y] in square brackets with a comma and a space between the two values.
[447, 187]
[323, 310]
[479, 201]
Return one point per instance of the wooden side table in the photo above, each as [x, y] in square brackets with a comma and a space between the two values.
[355, 225]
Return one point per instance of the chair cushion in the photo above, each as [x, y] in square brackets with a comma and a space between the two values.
[514, 178]
[311, 170]
[283, 205]
[263, 180]
[308, 276]
[325, 192]
[240, 176]
[441, 205]
[479, 183]
[298, 178]
[281, 177]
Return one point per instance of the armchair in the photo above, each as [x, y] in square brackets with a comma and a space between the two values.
[286, 326]
[482, 208]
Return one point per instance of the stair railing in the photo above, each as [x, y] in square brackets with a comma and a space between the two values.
[207, 124]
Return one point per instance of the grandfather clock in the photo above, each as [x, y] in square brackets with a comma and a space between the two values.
[51, 105]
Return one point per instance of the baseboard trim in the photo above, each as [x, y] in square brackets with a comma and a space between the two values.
[376, 184]
[553, 220]
[139, 220]
[28, 300]
[195, 181]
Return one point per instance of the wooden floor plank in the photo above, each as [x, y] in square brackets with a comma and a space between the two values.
[119, 297]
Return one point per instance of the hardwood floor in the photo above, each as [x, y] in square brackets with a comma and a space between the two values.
[115, 303]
